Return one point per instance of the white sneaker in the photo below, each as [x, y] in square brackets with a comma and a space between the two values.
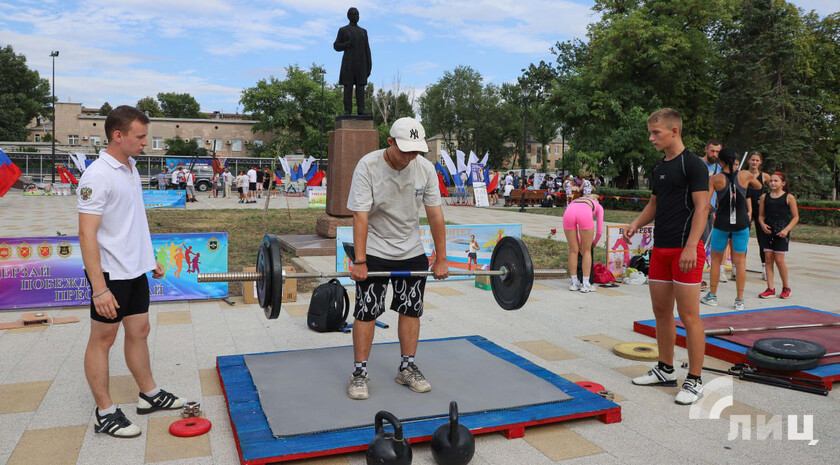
[722, 277]
[575, 286]
[413, 378]
[586, 287]
[357, 388]
[114, 424]
[656, 377]
[690, 392]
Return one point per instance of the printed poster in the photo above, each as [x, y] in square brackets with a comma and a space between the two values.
[619, 251]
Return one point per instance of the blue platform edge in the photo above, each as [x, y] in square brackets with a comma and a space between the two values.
[257, 442]
[824, 371]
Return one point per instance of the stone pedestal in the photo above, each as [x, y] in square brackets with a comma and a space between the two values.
[353, 138]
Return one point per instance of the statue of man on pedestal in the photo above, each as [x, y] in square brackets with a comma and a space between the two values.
[355, 64]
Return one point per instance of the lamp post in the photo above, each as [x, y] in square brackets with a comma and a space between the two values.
[53, 54]
[522, 182]
[322, 72]
[563, 148]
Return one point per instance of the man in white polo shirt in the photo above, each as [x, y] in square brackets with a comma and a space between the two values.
[389, 187]
[117, 253]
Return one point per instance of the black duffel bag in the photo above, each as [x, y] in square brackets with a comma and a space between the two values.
[328, 308]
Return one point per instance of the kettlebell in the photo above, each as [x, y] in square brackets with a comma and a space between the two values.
[387, 448]
[453, 444]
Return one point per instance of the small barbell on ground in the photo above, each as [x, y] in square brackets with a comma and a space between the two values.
[511, 274]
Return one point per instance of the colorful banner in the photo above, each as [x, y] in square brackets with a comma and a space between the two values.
[480, 193]
[457, 245]
[317, 196]
[619, 251]
[174, 162]
[153, 198]
[49, 189]
[477, 172]
[48, 271]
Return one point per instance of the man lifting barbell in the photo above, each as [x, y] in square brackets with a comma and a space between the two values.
[389, 186]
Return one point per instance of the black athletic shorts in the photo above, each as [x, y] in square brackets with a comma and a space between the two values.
[252, 186]
[408, 291]
[777, 244]
[132, 296]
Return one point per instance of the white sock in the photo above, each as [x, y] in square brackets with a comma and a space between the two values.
[153, 392]
[108, 411]
[586, 281]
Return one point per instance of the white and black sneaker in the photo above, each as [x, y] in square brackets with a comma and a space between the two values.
[692, 389]
[656, 377]
[115, 424]
[161, 401]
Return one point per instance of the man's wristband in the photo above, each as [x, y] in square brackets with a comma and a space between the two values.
[364, 262]
[100, 293]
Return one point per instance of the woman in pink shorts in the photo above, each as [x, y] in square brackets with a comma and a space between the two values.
[579, 229]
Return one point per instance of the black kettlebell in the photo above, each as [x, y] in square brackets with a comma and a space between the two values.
[387, 448]
[453, 444]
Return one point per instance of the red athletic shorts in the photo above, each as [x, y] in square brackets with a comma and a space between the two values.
[665, 266]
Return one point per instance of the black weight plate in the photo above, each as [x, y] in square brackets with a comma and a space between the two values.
[263, 267]
[784, 347]
[275, 298]
[760, 360]
[512, 291]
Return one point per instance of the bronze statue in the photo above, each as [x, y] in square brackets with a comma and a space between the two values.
[355, 64]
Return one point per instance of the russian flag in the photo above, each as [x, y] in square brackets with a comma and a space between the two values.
[9, 173]
[442, 171]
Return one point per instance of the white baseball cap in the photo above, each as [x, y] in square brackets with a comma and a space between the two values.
[410, 135]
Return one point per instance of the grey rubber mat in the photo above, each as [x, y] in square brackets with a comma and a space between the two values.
[305, 391]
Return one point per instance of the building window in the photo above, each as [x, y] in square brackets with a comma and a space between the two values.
[95, 141]
[258, 143]
[199, 142]
[37, 138]
[73, 139]
[157, 143]
[236, 145]
[217, 144]
[556, 149]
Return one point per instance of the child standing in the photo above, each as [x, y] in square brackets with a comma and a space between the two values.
[777, 216]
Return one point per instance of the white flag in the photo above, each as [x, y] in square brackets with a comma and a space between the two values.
[79, 160]
[459, 156]
[307, 163]
[473, 158]
[447, 160]
[484, 160]
[285, 165]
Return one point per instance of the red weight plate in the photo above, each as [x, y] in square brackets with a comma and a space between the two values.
[189, 427]
[590, 386]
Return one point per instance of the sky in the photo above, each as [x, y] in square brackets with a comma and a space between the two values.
[122, 50]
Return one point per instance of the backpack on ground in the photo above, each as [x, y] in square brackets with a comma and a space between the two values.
[328, 308]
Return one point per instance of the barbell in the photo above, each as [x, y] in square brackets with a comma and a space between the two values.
[511, 274]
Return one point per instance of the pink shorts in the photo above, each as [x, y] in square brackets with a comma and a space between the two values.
[578, 215]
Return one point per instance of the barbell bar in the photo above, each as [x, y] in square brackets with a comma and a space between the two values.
[511, 274]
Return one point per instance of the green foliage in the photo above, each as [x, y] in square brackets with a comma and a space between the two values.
[23, 95]
[149, 105]
[105, 109]
[178, 146]
[462, 109]
[609, 201]
[174, 105]
[293, 108]
[819, 217]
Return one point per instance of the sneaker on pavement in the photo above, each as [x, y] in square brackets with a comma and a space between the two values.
[722, 277]
[709, 299]
[767, 293]
[358, 386]
[414, 379]
[691, 391]
[785, 294]
[739, 304]
[586, 287]
[161, 401]
[115, 424]
[575, 286]
[656, 377]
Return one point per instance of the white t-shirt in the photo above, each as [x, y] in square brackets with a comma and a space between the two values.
[252, 175]
[228, 177]
[509, 179]
[190, 178]
[108, 189]
[587, 187]
[175, 177]
[508, 189]
[394, 199]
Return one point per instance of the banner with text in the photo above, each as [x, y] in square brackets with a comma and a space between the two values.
[153, 198]
[457, 245]
[48, 271]
[619, 250]
[317, 196]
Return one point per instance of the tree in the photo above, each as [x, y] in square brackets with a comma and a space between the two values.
[293, 109]
[176, 105]
[543, 121]
[105, 109]
[150, 105]
[178, 146]
[639, 57]
[23, 95]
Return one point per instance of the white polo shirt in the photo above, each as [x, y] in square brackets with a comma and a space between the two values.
[108, 189]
